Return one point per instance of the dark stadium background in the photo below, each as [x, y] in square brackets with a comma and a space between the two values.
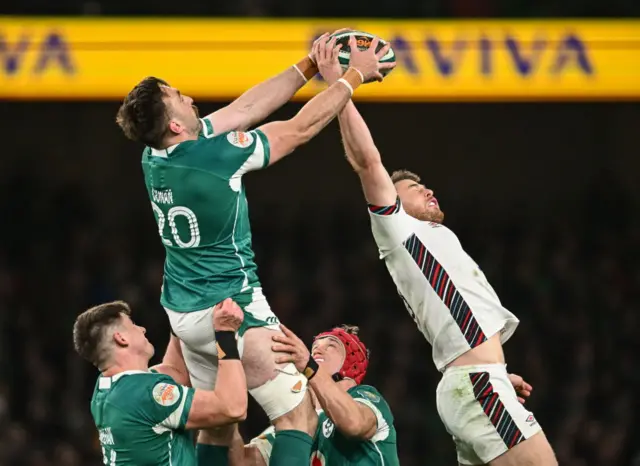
[544, 196]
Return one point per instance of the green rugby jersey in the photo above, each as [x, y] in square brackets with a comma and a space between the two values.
[331, 448]
[201, 209]
[141, 419]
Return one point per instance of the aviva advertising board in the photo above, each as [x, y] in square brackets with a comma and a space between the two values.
[62, 58]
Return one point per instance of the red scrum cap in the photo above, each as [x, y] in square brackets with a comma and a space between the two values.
[356, 358]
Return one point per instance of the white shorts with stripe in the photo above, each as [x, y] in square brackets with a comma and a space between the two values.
[480, 409]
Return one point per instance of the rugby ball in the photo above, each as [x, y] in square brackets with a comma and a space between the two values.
[364, 41]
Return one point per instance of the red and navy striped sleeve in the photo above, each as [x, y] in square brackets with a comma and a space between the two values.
[385, 210]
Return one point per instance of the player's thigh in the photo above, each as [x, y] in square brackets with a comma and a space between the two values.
[279, 388]
[479, 408]
[195, 330]
[534, 451]
[197, 341]
[202, 367]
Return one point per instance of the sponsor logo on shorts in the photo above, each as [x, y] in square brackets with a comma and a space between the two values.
[327, 428]
[317, 459]
[369, 396]
[166, 394]
[240, 139]
[531, 420]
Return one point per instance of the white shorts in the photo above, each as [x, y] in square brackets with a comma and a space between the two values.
[198, 341]
[197, 338]
[480, 409]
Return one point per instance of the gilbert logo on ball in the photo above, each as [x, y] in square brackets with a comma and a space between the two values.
[363, 39]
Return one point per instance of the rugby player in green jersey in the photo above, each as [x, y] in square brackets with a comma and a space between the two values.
[193, 170]
[355, 424]
[144, 416]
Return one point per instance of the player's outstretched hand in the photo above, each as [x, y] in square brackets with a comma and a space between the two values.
[522, 388]
[326, 55]
[292, 348]
[227, 316]
[367, 61]
[323, 38]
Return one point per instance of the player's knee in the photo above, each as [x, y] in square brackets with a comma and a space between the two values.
[303, 418]
[282, 394]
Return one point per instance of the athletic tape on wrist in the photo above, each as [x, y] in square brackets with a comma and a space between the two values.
[227, 345]
[353, 78]
[312, 368]
[306, 68]
[346, 83]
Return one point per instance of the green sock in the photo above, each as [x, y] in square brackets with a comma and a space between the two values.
[291, 448]
[212, 455]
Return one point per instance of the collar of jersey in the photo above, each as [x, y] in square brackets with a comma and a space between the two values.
[105, 382]
[163, 152]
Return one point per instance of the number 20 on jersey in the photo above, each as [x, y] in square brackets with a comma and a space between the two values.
[193, 234]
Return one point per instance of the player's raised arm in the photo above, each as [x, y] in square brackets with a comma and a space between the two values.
[364, 157]
[228, 402]
[173, 363]
[285, 136]
[265, 98]
[361, 151]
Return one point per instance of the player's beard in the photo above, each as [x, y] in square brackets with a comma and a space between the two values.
[197, 129]
[429, 215]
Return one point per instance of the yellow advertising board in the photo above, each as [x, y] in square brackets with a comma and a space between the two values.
[63, 58]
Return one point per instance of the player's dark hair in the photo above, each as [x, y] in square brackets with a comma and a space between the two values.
[400, 175]
[90, 328]
[143, 114]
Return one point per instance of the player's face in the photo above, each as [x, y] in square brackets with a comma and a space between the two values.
[419, 202]
[330, 353]
[136, 337]
[183, 113]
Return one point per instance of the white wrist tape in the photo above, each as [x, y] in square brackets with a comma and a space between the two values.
[346, 83]
[300, 73]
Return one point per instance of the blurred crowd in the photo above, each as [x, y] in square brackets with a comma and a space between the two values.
[573, 283]
[334, 8]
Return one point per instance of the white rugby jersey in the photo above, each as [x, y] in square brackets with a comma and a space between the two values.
[443, 289]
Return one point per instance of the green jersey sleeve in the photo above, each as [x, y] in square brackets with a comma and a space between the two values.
[165, 403]
[372, 398]
[264, 443]
[230, 155]
[207, 128]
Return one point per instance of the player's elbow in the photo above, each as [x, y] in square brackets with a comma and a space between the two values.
[236, 410]
[237, 414]
[299, 131]
[367, 164]
[285, 136]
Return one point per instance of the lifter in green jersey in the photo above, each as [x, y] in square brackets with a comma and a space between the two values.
[144, 416]
[193, 170]
[355, 424]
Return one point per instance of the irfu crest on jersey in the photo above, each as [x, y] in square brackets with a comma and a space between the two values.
[327, 428]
